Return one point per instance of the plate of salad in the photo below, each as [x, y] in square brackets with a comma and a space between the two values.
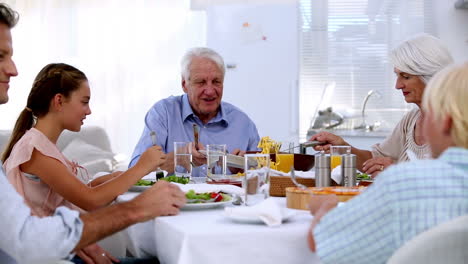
[143, 184]
[206, 200]
[364, 179]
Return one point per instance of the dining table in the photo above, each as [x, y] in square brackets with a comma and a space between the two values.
[207, 235]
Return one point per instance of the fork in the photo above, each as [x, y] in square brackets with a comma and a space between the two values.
[159, 172]
[293, 178]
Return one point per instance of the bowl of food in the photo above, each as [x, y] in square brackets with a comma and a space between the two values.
[297, 198]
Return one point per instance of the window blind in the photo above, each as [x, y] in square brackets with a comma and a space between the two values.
[347, 42]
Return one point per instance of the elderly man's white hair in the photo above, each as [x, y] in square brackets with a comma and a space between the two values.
[423, 55]
[200, 52]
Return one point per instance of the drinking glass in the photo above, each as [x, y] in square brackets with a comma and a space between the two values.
[183, 159]
[256, 182]
[335, 155]
[216, 161]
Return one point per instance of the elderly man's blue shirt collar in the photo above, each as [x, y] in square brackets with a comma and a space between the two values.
[188, 113]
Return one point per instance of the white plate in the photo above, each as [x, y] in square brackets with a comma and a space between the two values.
[286, 212]
[196, 206]
[136, 188]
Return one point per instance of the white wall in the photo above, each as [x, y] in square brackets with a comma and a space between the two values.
[262, 42]
[452, 28]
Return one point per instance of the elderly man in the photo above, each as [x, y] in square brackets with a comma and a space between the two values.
[29, 239]
[408, 198]
[219, 122]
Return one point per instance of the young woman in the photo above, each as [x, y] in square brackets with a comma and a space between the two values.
[59, 100]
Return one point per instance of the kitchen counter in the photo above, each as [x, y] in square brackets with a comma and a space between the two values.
[358, 138]
[360, 133]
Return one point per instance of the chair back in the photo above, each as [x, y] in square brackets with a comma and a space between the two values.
[444, 243]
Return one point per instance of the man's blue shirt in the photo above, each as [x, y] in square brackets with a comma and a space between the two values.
[172, 119]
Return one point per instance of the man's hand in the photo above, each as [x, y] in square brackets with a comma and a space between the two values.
[151, 159]
[94, 254]
[163, 198]
[376, 165]
[318, 201]
[198, 158]
[319, 206]
[237, 152]
[329, 139]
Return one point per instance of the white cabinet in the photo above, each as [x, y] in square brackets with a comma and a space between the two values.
[259, 44]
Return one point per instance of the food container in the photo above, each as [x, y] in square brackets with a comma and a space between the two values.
[297, 198]
[278, 184]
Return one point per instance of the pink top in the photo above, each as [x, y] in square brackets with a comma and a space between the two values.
[38, 195]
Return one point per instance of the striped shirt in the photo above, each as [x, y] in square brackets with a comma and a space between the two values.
[404, 201]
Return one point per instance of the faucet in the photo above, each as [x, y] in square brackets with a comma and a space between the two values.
[364, 125]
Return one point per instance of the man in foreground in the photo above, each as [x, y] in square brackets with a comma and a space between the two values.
[408, 198]
[29, 239]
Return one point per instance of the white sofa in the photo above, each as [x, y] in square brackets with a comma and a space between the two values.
[91, 148]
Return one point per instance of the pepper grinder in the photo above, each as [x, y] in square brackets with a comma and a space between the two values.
[348, 169]
[322, 170]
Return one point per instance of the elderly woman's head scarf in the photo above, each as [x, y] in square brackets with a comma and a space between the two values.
[422, 55]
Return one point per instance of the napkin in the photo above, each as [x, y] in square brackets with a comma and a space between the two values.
[301, 174]
[268, 211]
[336, 174]
[204, 187]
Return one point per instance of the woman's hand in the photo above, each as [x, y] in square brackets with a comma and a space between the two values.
[376, 165]
[152, 158]
[94, 254]
[329, 139]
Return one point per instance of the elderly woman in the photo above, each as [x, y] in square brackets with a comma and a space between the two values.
[415, 61]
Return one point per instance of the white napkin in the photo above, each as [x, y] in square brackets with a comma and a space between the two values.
[205, 187]
[268, 211]
[336, 174]
[301, 174]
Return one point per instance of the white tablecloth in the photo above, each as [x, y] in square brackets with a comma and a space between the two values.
[207, 236]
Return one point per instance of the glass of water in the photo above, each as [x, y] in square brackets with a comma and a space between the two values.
[256, 182]
[183, 159]
[216, 162]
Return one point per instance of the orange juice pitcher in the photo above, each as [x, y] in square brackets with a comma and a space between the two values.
[284, 162]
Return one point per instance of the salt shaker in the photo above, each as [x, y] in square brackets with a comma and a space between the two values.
[322, 170]
[348, 169]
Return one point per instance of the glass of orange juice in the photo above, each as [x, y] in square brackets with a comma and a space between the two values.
[335, 155]
[284, 162]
